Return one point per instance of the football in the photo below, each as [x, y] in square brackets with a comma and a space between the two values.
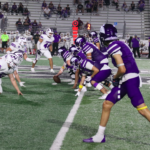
[56, 79]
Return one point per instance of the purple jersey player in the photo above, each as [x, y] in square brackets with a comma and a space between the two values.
[126, 81]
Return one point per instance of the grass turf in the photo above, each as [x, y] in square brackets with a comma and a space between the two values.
[126, 128]
[28, 121]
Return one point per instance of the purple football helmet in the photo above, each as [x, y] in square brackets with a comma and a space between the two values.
[93, 34]
[74, 50]
[80, 41]
[108, 33]
[62, 50]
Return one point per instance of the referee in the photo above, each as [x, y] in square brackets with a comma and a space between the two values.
[5, 40]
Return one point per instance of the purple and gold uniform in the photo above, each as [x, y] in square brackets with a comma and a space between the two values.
[130, 82]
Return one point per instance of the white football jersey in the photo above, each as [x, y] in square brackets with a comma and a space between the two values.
[29, 38]
[11, 37]
[17, 37]
[67, 38]
[46, 41]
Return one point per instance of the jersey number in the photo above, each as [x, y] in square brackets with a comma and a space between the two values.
[47, 44]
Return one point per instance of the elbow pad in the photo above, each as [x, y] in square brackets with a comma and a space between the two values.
[38, 45]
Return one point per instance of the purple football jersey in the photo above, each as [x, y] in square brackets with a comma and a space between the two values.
[126, 54]
[65, 55]
[96, 40]
[97, 55]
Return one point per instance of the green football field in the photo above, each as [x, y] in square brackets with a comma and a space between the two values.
[32, 121]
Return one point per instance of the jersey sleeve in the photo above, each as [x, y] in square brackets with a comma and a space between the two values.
[12, 46]
[113, 48]
[96, 40]
[87, 49]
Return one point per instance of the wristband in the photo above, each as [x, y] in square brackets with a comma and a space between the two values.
[63, 67]
[80, 86]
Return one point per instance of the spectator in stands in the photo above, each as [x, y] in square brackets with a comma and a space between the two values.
[28, 19]
[14, 9]
[5, 7]
[80, 8]
[47, 12]
[26, 12]
[68, 9]
[44, 5]
[135, 45]
[141, 1]
[64, 13]
[1, 15]
[107, 2]
[80, 23]
[95, 6]
[36, 39]
[34, 26]
[26, 25]
[51, 6]
[132, 7]
[76, 1]
[115, 2]
[59, 9]
[40, 26]
[86, 2]
[141, 6]
[89, 7]
[0, 5]
[100, 3]
[125, 7]
[56, 41]
[19, 25]
[149, 47]
[20, 8]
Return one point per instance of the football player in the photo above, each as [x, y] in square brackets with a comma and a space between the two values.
[67, 40]
[94, 54]
[19, 49]
[95, 39]
[11, 37]
[62, 42]
[29, 38]
[126, 81]
[17, 35]
[44, 44]
[8, 64]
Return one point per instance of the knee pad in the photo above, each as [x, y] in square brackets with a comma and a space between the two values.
[98, 86]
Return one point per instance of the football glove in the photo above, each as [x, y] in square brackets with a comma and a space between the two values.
[115, 82]
[78, 93]
[22, 84]
[88, 79]
[39, 52]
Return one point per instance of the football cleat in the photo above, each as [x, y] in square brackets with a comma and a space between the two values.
[52, 71]
[32, 70]
[90, 140]
[84, 89]
[89, 84]
[103, 96]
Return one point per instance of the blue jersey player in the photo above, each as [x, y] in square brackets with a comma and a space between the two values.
[126, 81]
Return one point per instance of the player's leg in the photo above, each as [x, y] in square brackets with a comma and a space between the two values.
[47, 54]
[112, 98]
[38, 56]
[30, 46]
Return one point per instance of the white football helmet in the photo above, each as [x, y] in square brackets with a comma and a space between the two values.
[49, 32]
[67, 34]
[17, 32]
[11, 32]
[61, 35]
[22, 41]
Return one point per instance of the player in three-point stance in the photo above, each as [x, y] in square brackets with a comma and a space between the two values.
[126, 81]
[44, 44]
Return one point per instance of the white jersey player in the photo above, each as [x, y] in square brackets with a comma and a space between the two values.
[67, 40]
[29, 38]
[62, 42]
[17, 35]
[44, 44]
[11, 37]
[7, 66]
[19, 49]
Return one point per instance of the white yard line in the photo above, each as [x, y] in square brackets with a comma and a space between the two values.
[64, 129]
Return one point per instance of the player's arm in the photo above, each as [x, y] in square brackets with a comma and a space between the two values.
[8, 49]
[26, 58]
[76, 79]
[120, 65]
[89, 56]
[81, 83]
[51, 47]
[13, 81]
[39, 42]
[98, 45]
[61, 70]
